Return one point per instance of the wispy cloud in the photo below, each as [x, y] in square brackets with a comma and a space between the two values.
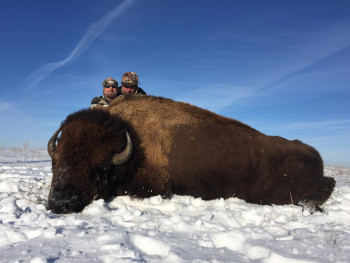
[91, 34]
[225, 96]
[321, 124]
[337, 139]
[306, 51]
[4, 105]
[314, 49]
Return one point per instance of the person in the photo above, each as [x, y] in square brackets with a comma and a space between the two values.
[110, 91]
[130, 84]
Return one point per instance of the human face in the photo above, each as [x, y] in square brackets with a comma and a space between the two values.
[110, 92]
[129, 90]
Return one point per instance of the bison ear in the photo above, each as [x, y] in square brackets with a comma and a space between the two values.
[51, 145]
[124, 156]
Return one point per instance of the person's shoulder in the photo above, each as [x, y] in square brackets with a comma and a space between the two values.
[141, 91]
[96, 100]
[99, 101]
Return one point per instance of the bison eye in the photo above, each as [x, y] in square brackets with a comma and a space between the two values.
[100, 174]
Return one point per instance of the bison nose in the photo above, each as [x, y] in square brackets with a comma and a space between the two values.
[63, 201]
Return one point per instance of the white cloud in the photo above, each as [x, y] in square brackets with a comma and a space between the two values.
[91, 34]
[4, 105]
[312, 49]
[288, 125]
[321, 124]
[217, 97]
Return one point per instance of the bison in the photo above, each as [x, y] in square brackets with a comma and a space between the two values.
[144, 146]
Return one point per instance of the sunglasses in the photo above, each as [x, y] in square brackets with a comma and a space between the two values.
[109, 85]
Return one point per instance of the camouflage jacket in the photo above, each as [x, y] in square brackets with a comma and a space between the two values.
[102, 101]
[99, 101]
[141, 91]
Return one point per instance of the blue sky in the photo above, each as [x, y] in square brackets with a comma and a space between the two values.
[282, 67]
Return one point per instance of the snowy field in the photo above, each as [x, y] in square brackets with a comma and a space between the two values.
[182, 229]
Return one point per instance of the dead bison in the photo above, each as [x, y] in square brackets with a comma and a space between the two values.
[143, 146]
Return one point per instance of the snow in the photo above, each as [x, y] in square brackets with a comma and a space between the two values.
[180, 229]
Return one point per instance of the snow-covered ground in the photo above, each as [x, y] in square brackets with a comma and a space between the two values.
[182, 229]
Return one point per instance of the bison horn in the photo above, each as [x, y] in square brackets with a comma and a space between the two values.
[51, 145]
[124, 156]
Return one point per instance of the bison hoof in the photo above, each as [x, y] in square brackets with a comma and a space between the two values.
[310, 206]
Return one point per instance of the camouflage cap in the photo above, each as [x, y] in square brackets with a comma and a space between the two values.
[130, 79]
[110, 81]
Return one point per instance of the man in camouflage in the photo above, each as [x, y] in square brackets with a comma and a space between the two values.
[110, 91]
[130, 84]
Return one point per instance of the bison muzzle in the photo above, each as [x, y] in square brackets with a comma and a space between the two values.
[143, 146]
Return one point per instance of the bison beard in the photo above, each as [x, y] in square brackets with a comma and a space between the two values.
[177, 149]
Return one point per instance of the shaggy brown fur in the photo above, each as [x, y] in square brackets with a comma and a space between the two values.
[180, 149]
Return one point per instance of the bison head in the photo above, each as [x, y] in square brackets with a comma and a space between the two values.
[85, 158]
